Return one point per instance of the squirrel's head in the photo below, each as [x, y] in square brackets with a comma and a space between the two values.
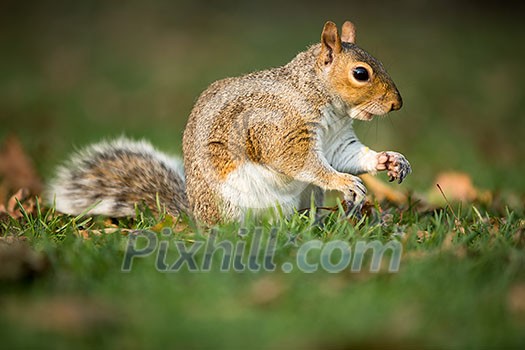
[354, 75]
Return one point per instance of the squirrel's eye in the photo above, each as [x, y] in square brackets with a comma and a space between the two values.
[360, 74]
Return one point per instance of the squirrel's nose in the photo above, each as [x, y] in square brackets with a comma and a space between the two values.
[397, 104]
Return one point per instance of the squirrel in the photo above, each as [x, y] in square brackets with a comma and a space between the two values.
[276, 138]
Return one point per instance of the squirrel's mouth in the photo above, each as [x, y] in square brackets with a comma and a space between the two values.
[362, 115]
[367, 111]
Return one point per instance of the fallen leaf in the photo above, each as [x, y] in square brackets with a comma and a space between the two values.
[266, 290]
[170, 223]
[66, 315]
[12, 208]
[418, 254]
[456, 186]
[448, 245]
[86, 234]
[18, 261]
[422, 236]
[516, 298]
[382, 191]
[16, 169]
[167, 223]
[519, 235]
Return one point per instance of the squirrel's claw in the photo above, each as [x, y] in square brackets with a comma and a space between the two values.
[354, 199]
[353, 209]
[397, 165]
[404, 169]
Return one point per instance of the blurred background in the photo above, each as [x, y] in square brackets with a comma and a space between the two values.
[73, 72]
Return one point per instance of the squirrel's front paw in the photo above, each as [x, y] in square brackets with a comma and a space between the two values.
[397, 165]
[355, 196]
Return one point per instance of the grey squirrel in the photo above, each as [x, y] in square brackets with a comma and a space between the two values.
[269, 139]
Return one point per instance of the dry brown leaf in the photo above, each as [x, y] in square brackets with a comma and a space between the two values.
[86, 234]
[418, 254]
[22, 196]
[519, 235]
[382, 191]
[172, 223]
[448, 245]
[168, 222]
[448, 241]
[16, 169]
[516, 298]
[422, 236]
[108, 222]
[181, 226]
[457, 187]
[18, 261]
[266, 290]
[65, 315]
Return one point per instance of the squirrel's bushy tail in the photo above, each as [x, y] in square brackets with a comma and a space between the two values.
[112, 177]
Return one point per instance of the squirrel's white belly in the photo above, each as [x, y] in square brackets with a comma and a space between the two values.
[256, 188]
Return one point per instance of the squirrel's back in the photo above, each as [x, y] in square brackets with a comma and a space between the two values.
[223, 140]
[110, 178]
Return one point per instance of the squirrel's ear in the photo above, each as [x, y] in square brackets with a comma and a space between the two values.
[330, 41]
[348, 32]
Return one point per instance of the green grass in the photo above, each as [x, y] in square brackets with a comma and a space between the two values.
[452, 289]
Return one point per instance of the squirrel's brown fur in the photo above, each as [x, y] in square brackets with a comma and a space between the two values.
[266, 139]
[233, 135]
